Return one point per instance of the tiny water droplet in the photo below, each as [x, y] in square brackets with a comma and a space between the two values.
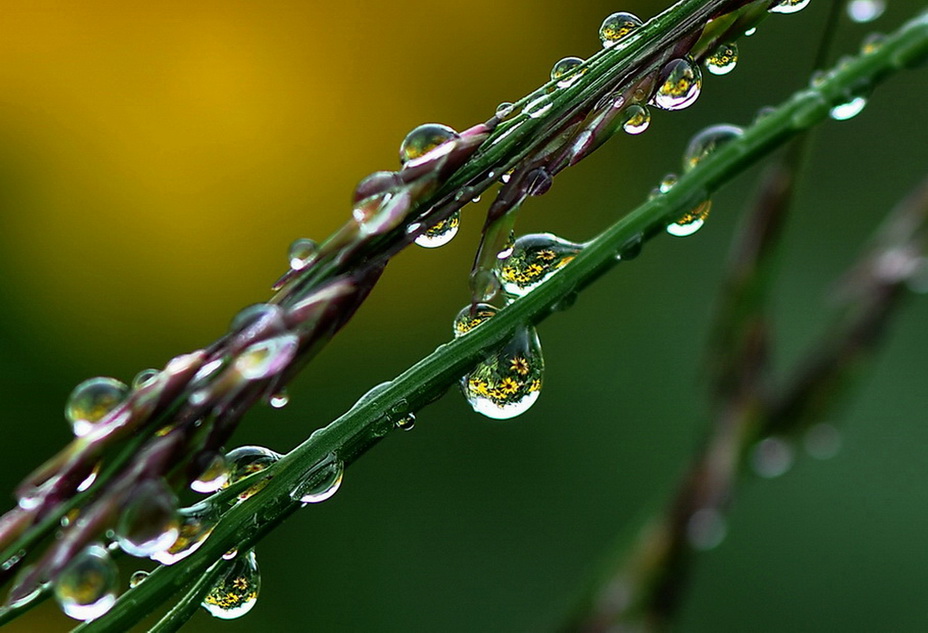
[466, 321]
[789, 6]
[772, 457]
[266, 358]
[872, 43]
[248, 460]
[707, 141]
[423, 139]
[505, 110]
[144, 377]
[848, 109]
[91, 401]
[863, 11]
[667, 183]
[301, 253]
[681, 83]
[566, 71]
[506, 177]
[213, 477]
[751, 31]
[196, 524]
[86, 588]
[617, 26]
[149, 522]
[321, 482]
[89, 479]
[637, 119]
[822, 441]
[406, 422]
[723, 60]
[706, 529]
[534, 259]
[691, 221]
[280, 399]
[237, 591]
[441, 233]
[137, 577]
[232, 553]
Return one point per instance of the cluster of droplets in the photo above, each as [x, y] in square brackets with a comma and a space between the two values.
[508, 382]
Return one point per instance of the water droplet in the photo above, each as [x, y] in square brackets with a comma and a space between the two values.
[86, 588]
[137, 577]
[681, 83]
[232, 553]
[565, 71]
[91, 400]
[848, 110]
[321, 482]
[484, 284]
[247, 460]
[723, 60]
[632, 248]
[505, 110]
[789, 6]
[423, 139]
[441, 233]
[872, 43]
[706, 529]
[534, 259]
[822, 441]
[508, 381]
[237, 591]
[144, 378]
[196, 524]
[406, 422]
[691, 221]
[772, 457]
[301, 253]
[707, 141]
[863, 11]
[89, 479]
[617, 26]
[751, 31]
[279, 399]
[538, 106]
[213, 476]
[149, 522]
[667, 183]
[466, 321]
[538, 181]
[266, 358]
[637, 119]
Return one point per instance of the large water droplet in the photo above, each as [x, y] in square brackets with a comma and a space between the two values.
[237, 591]
[214, 475]
[848, 109]
[681, 83]
[789, 6]
[248, 460]
[321, 482]
[467, 320]
[691, 221]
[196, 524]
[423, 139]
[637, 119]
[723, 60]
[266, 358]
[86, 588]
[534, 259]
[565, 71]
[772, 457]
[441, 233]
[301, 253]
[863, 11]
[91, 400]
[707, 141]
[149, 522]
[617, 26]
[538, 106]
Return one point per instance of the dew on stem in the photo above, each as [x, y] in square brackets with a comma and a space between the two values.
[617, 26]
[86, 588]
[534, 258]
[789, 6]
[723, 60]
[441, 233]
[849, 109]
[707, 141]
[321, 482]
[149, 522]
[91, 401]
[681, 83]
[423, 139]
[236, 592]
[637, 119]
[301, 253]
[248, 460]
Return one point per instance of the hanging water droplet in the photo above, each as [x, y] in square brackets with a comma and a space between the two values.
[213, 476]
[91, 400]
[508, 381]
[237, 590]
[406, 422]
[196, 524]
[144, 378]
[232, 553]
[681, 83]
[538, 181]
[86, 588]
[137, 577]
[706, 529]
[466, 320]
[789, 6]
[505, 110]
[772, 457]
[423, 139]
[632, 248]
[266, 358]
[617, 26]
[301, 253]
[707, 141]
[248, 460]
[822, 441]
[848, 109]
[637, 119]
[723, 60]
[279, 399]
[691, 221]
[89, 479]
[149, 522]
[751, 31]
[321, 482]
[565, 71]
[863, 11]
[441, 233]
[534, 259]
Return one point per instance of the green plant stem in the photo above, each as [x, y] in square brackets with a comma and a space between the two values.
[366, 423]
[181, 612]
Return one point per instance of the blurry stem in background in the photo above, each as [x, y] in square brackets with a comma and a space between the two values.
[374, 415]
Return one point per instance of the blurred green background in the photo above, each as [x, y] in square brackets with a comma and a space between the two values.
[156, 159]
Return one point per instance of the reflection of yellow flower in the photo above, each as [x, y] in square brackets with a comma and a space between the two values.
[478, 386]
[545, 255]
[240, 583]
[519, 365]
[535, 386]
[508, 386]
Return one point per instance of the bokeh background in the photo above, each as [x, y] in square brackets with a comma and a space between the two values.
[157, 158]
